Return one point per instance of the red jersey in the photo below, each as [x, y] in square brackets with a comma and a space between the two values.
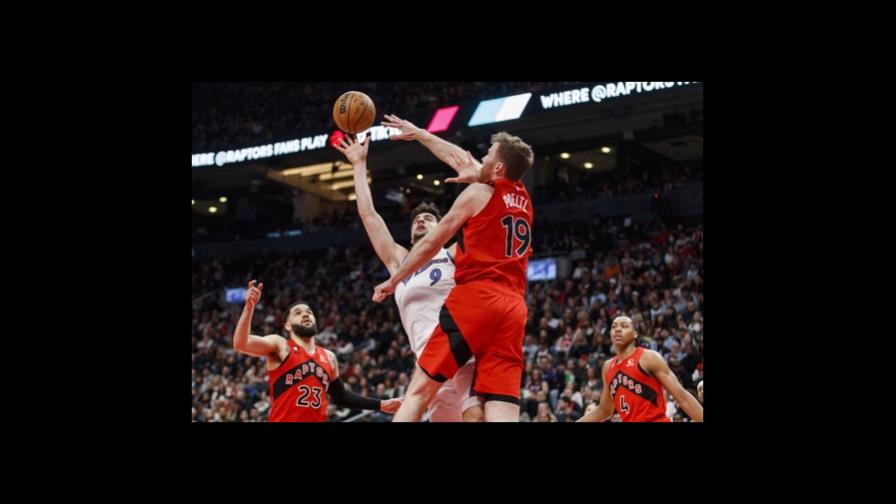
[298, 387]
[638, 396]
[495, 244]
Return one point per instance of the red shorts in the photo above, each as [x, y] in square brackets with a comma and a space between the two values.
[487, 320]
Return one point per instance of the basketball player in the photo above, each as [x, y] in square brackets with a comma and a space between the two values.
[419, 296]
[634, 381]
[300, 373]
[485, 313]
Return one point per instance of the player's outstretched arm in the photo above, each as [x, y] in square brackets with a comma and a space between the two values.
[349, 399]
[388, 251]
[446, 151]
[654, 363]
[249, 343]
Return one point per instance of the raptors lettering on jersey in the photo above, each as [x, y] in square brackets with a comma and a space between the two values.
[298, 387]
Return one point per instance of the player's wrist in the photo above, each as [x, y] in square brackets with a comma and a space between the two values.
[423, 136]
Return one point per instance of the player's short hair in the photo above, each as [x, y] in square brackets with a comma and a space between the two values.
[516, 154]
[426, 207]
[289, 309]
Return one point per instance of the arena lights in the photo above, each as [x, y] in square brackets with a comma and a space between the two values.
[194, 202]
[499, 109]
[601, 92]
[441, 120]
[419, 176]
[342, 173]
[348, 183]
[589, 165]
[605, 150]
[212, 209]
[223, 199]
[564, 155]
[435, 182]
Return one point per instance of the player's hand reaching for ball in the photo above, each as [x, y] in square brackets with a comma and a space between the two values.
[355, 151]
[390, 405]
[253, 295]
[409, 132]
[382, 291]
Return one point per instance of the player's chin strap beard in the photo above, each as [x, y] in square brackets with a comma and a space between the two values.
[304, 332]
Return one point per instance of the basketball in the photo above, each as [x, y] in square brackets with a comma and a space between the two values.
[354, 112]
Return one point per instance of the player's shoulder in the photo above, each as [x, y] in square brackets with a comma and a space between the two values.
[330, 354]
[651, 356]
[608, 363]
[278, 340]
[480, 189]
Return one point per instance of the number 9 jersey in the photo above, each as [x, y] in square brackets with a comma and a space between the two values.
[420, 296]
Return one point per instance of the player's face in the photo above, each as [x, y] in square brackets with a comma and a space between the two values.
[423, 223]
[622, 332]
[301, 320]
[490, 164]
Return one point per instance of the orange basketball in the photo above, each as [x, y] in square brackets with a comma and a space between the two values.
[354, 112]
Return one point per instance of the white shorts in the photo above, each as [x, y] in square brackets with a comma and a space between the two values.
[454, 397]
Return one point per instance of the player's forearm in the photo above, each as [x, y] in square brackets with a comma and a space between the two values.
[691, 407]
[346, 398]
[362, 190]
[241, 334]
[442, 149]
[422, 252]
[374, 225]
[598, 414]
[356, 401]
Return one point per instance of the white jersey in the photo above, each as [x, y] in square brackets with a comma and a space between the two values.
[420, 298]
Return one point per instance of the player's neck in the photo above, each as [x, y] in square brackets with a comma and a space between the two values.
[627, 350]
[418, 241]
[306, 343]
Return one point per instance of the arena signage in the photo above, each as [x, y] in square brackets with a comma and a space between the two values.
[602, 92]
[308, 143]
